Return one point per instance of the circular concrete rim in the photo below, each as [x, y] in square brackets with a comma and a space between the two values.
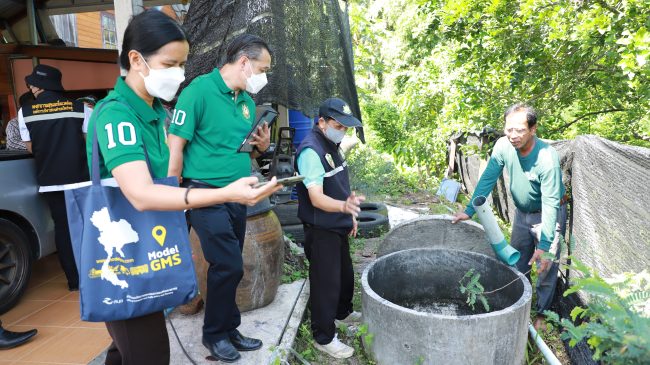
[525, 297]
[445, 217]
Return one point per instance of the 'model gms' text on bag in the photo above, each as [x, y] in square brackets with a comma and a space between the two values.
[130, 263]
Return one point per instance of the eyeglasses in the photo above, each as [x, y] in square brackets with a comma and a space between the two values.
[516, 131]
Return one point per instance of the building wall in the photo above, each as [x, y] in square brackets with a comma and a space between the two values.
[89, 27]
[89, 30]
[167, 9]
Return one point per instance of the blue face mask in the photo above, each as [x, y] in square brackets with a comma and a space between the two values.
[334, 134]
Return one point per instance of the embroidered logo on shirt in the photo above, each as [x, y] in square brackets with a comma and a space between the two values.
[329, 160]
[245, 111]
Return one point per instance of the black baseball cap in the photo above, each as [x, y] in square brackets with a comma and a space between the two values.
[340, 111]
[90, 99]
[45, 77]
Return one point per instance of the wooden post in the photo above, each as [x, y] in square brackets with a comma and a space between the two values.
[124, 10]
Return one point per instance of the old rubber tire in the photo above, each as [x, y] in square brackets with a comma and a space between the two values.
[370, 207]
[296, 232]
[287, 213]
[372, 225]
[15, 264]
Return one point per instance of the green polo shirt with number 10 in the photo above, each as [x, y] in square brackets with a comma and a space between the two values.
[125, 124]
[214, 122]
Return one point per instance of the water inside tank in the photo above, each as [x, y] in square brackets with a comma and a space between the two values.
[448, 307]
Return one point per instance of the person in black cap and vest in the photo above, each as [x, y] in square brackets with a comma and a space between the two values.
[328, 211]
[53, 127]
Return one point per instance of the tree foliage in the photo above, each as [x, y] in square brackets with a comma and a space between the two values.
[428, 68]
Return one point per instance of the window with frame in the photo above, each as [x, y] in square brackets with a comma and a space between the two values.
[109, 33]
[66, 28]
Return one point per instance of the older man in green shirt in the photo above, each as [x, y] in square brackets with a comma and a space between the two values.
[213, 116]
[538, 193]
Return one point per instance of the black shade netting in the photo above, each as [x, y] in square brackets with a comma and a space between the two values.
[309, 39]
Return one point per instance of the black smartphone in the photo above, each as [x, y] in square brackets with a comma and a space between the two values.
[268, 116]
[287, 181]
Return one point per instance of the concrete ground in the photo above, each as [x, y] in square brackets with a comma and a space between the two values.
[276, 325]
[48, 306]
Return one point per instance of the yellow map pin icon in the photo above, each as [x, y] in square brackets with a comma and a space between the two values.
[159, 233]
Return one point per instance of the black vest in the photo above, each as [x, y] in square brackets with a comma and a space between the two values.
[336, 184]
[54, 123]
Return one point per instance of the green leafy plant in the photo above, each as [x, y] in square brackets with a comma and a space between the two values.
[357, 244]
[361, 342]
[291, 273]
[533, 356]
[366, 336]
[616, 321]
[304, 333]
[472, 288]
[376, 175]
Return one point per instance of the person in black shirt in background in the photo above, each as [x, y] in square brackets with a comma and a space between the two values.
[53, 128]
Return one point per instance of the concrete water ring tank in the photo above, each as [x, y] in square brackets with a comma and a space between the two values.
[416, 314]
[436, 231]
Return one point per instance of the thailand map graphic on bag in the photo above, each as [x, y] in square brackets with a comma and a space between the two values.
[131, 263]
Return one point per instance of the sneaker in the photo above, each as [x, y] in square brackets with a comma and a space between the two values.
[352, 318]
[335, 349]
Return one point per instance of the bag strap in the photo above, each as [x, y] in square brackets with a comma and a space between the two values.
[95, 175]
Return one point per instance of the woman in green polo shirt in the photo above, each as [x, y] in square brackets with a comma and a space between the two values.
[154, 52]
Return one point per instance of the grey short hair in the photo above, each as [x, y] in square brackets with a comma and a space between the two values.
[531, 113]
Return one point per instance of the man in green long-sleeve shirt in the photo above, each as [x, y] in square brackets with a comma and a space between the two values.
[538, 193]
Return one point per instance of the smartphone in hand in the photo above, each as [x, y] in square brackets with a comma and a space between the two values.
[287, 181]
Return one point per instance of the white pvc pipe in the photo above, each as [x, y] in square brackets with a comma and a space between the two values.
[503, 251]
[550, 357]
[485, 215]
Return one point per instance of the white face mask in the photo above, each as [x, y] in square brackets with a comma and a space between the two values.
[334, 134]
[163, 82]
[255, 82]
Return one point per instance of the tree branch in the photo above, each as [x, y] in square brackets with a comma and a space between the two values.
[585, 67]
[608, 7]
[585, 116]
[641, 136]
[548, 6]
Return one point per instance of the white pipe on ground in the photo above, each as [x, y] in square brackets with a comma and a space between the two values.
[543, 348]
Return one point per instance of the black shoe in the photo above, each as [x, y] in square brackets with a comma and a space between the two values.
[243, 343]
[10, 339]
[222, 350]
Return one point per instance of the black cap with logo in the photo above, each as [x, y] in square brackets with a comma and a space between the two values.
[338, 110]
[45, 77]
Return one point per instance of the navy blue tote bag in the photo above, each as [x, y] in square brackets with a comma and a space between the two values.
[130, 263]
